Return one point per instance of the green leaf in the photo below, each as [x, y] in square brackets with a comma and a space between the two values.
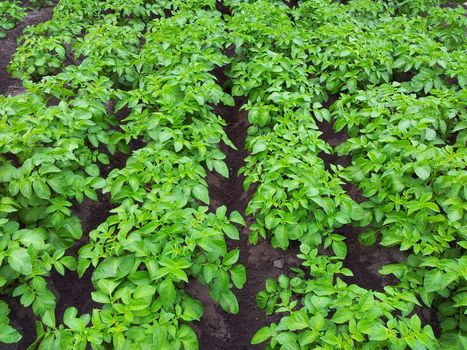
[237, 218]
[221, 168]
[69, 262]
[114, 268]
[231, 231]
[415, 323]
[262, 335]
[20, 261]
[201, 192]
[30, 238]
[209, 272]
[167, 293]
[367, 238]
[69, 316]
[216, 247]
[352, 85]
[8, 334]
[298, 320]
[342, 316]
[436, 280]
[340, 249]
[144, 291]
[192, 310]
[188, 338]
[270, 221]
[461, 300]
[231, 258]
[258, 147]
[100, 297]
[165, 135]
[49, 318]
[238, 274]
[228, 302]
[377, 332]
[107, 285]
[92, 170]
[423, 171]
[41, 189]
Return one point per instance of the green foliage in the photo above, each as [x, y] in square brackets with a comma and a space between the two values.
[8, 334]
[11, 12]
[407, 158]
[325, 312]
[143, 254]
[416, 7]
[40, 3]
[104, 75]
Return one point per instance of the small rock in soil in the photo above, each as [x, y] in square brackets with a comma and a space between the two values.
[279, 263]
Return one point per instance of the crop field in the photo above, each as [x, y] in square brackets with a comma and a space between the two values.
[233, 175]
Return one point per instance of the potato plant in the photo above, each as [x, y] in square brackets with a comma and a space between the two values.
[295, 203]
[11, 12]
[140, 79]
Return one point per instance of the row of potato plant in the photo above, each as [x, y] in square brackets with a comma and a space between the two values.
[157, 75]
[288, 69]
[409, 159]
[161, 232]
[11, 12]
[49, 46]
[49, 157]
[144, 253]
[50, 161]
[45, 166]
[407, 152]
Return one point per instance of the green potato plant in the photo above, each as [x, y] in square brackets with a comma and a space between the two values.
[104, 76]
[10, 14]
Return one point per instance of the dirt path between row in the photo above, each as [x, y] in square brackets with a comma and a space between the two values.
[218, 330]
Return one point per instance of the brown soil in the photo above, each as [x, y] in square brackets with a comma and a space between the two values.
[365, 262]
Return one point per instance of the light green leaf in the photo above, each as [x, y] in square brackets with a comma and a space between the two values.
[20, 261]
[259, 146]
[340, 249]
[8, 334]
[228, 302]
[237, 218]
[238, 274]
[423, 171]
[41, 189]
[342, 316]
[167, 293]
[201, 192]
[377, 332]
[221, 168]
[262, 335]
[298, 320]
[231, 258]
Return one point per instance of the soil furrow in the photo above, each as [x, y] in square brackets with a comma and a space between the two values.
[218, 330]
